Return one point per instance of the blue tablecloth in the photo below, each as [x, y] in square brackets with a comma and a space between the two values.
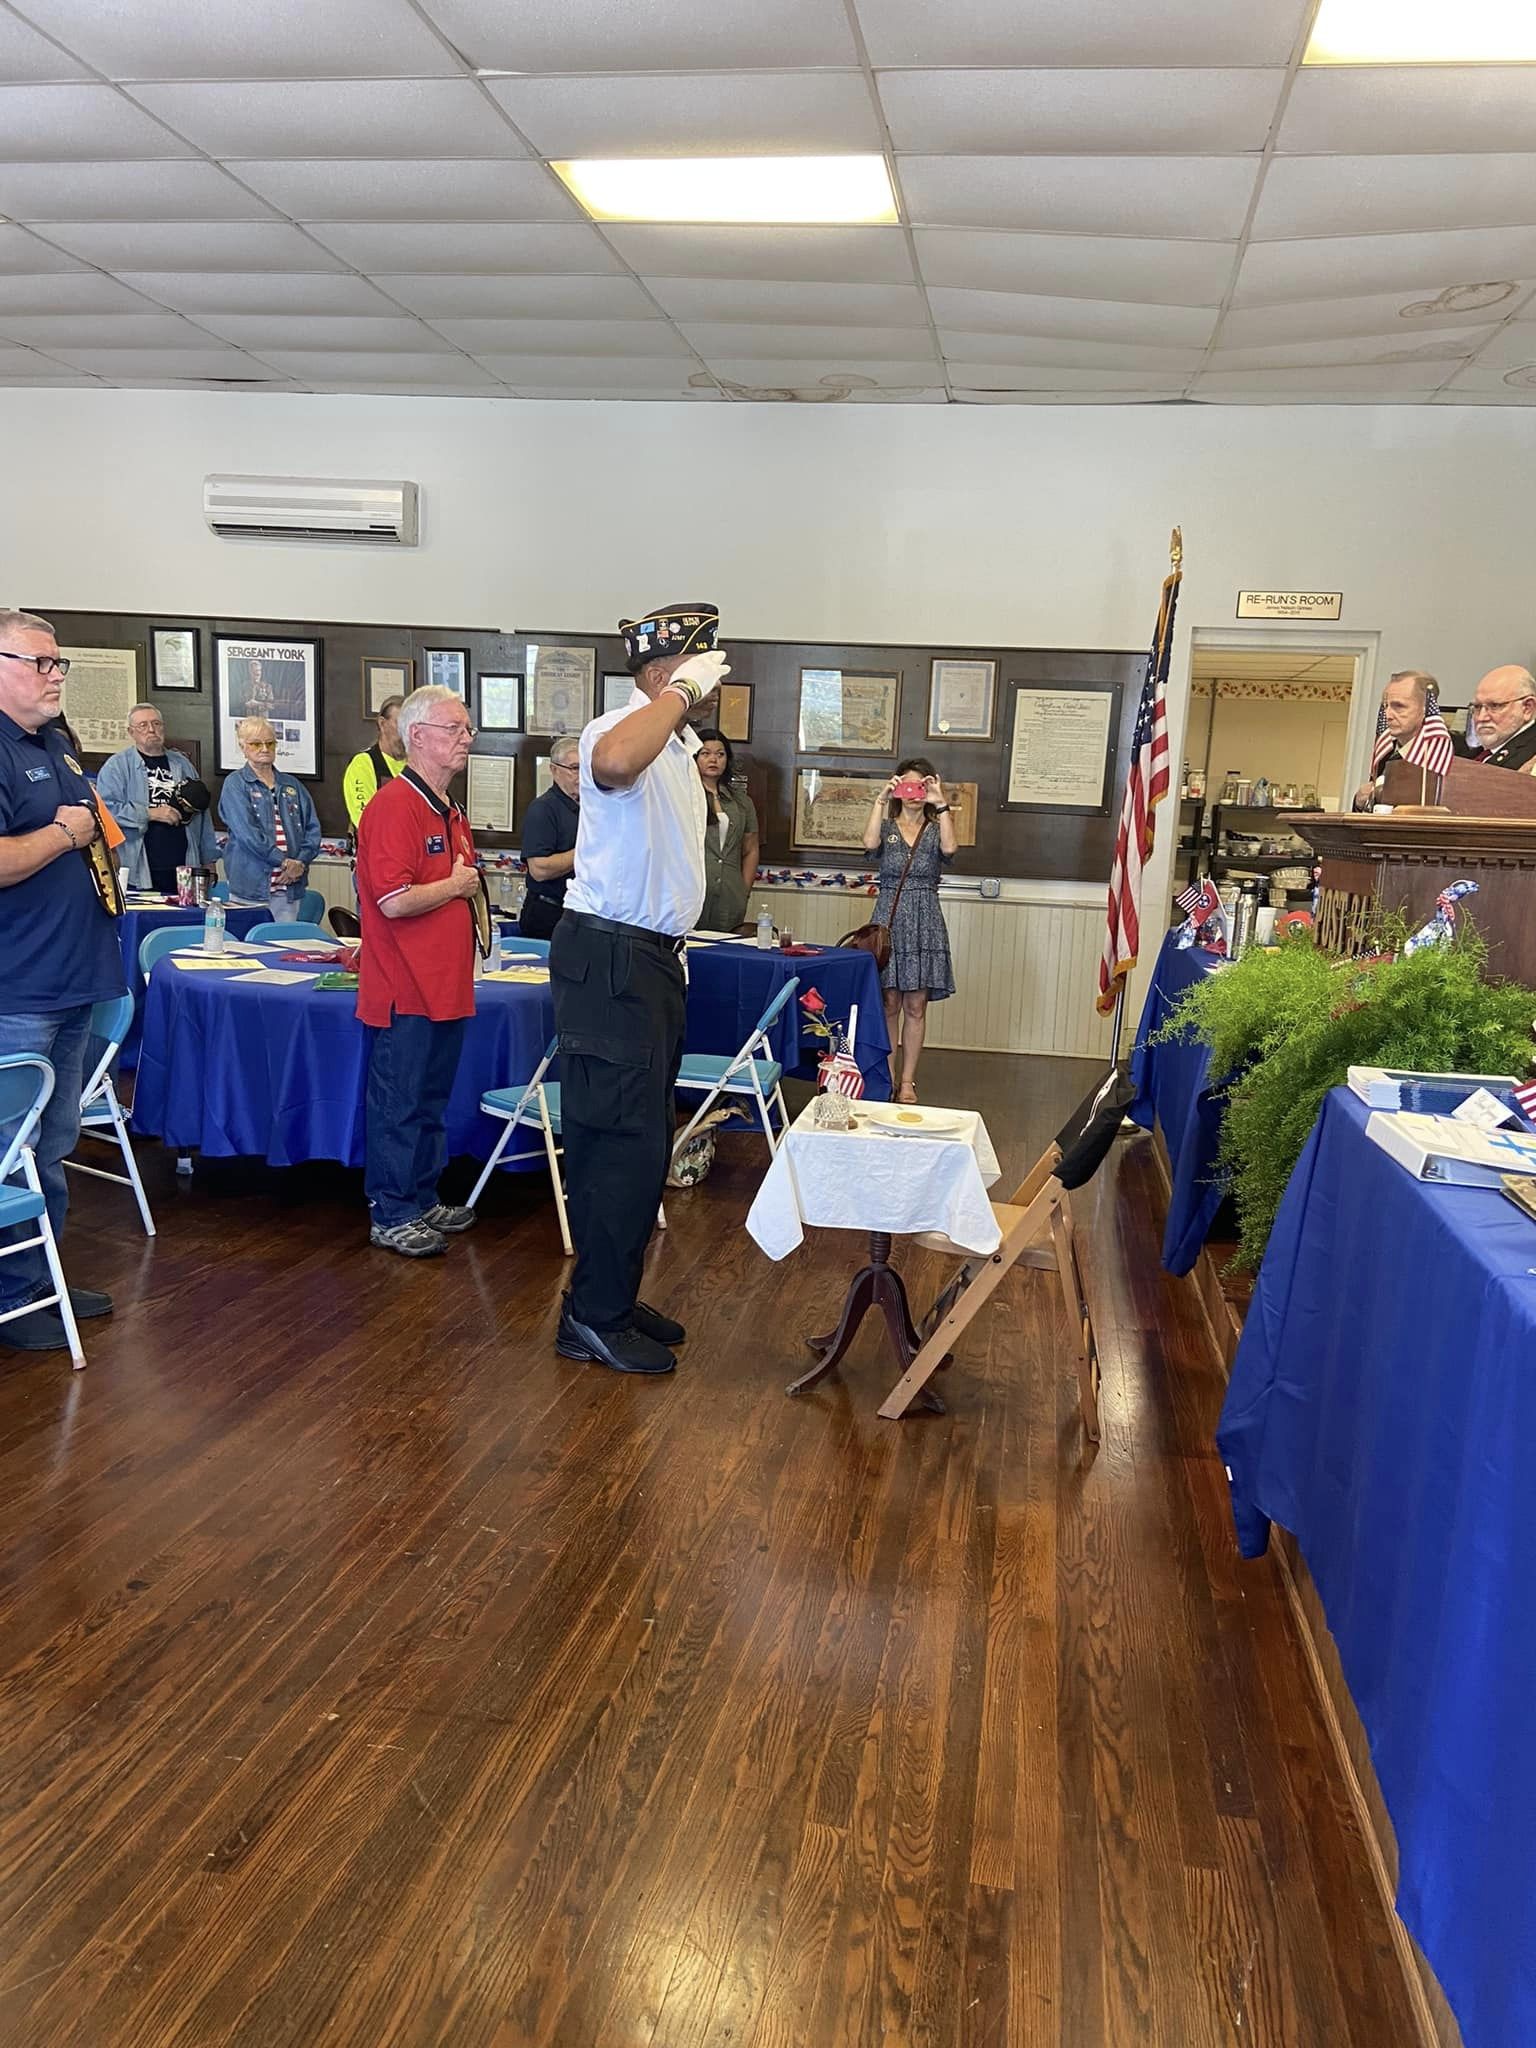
[236, 1069]
[1382, 1407]
[1174, 1088]
[729, 987]
[136, 924]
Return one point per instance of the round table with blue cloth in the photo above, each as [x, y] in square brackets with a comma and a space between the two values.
[140, 919]
[730, 986]
[239, 1069]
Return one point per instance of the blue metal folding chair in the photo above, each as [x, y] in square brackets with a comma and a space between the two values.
[299, 932]
[101, 1114]
[753, 1072]
[536, 1106]
[166, 938]
[26, 1083]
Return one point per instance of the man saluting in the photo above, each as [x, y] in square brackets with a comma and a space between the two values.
[617, 980]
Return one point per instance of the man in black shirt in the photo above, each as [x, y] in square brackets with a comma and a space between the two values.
[549, 840]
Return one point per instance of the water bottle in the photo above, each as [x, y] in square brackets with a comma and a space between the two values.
[764, 930]
[213, 928]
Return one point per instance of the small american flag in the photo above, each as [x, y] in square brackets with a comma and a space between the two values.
[1525, 1095]
[838, 1069]
[1187, 899]
[1431, 746]
[1145, 787]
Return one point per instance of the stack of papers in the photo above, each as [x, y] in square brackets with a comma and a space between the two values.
[1402, 1088]
[192, 963]
[531, 974]
[1439, 1149]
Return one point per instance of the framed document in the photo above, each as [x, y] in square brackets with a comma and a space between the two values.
[831, 809]
[961, 697]
[617, 691]
[501, 706]
[383, 680]
[101, 689]
[1060, 752]
[560, 686]
[962, 804]
[847, 714]
[175, 663]
[448, 666]
[543, 774]
[275, 679]
[735, 715]
[489, 802]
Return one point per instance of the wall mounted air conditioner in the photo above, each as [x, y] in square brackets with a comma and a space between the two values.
[312, 508]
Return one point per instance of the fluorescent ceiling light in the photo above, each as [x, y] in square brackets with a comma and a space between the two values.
[1423, 32]
[777, 189]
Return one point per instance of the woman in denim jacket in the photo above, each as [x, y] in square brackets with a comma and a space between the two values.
[274, 833]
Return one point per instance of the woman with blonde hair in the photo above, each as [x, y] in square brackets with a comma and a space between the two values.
[273, 829]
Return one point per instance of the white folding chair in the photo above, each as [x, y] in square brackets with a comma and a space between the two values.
[101, 1114]
[536, 1106]
[752, 1073]
[26, 1083]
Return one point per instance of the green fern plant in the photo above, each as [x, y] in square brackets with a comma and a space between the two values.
[1286, 1024]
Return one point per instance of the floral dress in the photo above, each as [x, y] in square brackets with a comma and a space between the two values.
[919, 942]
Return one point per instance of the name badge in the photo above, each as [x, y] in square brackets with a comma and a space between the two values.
[39, 775]
[437, 843]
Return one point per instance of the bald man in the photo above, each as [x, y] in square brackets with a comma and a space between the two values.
[1502, 718]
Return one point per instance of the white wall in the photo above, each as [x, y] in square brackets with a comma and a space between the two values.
[1021, 525]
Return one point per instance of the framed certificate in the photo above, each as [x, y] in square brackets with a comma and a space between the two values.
[448, 667]
[617, 691]
[501, 703]
[383, 680]
[735, 714]
[176, 663]
[560, 682]
[1060, 754]
[842, 713]
[832, 809]
[961, 699]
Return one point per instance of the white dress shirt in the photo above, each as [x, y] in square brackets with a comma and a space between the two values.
[640, 851]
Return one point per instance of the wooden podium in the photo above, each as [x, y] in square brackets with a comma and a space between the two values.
[1478, 826]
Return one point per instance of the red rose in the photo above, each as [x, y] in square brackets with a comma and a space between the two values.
[812, 1003]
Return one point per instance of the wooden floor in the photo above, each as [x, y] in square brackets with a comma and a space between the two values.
[370, 1678]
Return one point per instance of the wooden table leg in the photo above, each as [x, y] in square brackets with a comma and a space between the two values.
[877, 1285]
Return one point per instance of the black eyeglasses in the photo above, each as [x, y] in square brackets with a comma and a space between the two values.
[45, 664]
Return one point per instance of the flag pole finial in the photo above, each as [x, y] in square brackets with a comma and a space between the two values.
[1176, 547]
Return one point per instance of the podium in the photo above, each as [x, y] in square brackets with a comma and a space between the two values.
[1479, 825]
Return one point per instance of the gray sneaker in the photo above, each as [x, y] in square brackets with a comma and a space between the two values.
[444, 1217]
[413, 1240]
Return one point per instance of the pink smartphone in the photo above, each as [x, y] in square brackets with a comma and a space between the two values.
[911, 790]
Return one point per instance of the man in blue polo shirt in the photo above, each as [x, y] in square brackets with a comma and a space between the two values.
[59, 950]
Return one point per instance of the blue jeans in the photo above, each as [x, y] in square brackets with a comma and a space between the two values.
[411, 1066]
[61, 1038]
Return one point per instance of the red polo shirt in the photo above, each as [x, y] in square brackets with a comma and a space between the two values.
[417, 966]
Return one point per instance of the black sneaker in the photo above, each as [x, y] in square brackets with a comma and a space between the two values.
[447, 1220]
[620, 1350]
[40, 1330]
[651, 1323]
[413, 1240]
[86, 1302]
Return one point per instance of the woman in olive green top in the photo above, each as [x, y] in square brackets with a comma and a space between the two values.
[730, 836]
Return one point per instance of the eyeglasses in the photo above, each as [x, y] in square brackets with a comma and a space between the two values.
[1503, 704]
[566, 767]
[45, 664]
[470, 732]
[261, 746]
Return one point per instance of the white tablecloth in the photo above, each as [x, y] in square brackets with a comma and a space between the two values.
[859, 1180]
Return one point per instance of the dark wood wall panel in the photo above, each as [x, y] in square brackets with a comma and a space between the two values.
[1039, 846]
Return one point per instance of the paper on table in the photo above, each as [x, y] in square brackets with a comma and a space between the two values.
[282, 977]
[516, 974]
[194, 963]
[1483, 1111]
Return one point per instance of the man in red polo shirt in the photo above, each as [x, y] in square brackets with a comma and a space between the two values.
[416, 885]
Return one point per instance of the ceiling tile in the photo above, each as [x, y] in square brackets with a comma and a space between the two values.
[100, 330]
[27, 57]
[366, 117]
[80, 124]
[994, 376]
[788, 373]
[370, 365]
[278, 39]
[351, 189]
[590, 373]
[1358, 195]
[263, 331]
[664, 35]
[984, 113]
[1107, 32]
[231, 245]
[27, 254]
[842, 305]
[549, 337]
[180, 189]
[212, 362]
[26, 362]
[517, 298]
[1350, 266]
[1393, 380]
[710, 114]
[1067, 354]
[471, 246]
[1090, 319]
[806, 255]
[1409, 108]
[1518, 376]
[385, 387]
[1509, 348]
[683, 393]
[1443, 346]
[70, 292]
[267, 291]
[1159, 397]
[1197, 198]
[1068, 266]
[726, 338]
[1377, 313]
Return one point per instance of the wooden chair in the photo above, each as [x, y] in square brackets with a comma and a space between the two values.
[1037, 1231]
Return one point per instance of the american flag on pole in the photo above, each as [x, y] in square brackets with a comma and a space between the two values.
[1145, 787]
[1431, 746]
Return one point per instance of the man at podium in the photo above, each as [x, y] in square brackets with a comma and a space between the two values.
[1408, 728]
[1502, 719]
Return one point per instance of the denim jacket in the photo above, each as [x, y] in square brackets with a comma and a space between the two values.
[247, 807]
[123, 787]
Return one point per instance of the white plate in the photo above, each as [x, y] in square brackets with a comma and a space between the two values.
[936, 1123]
